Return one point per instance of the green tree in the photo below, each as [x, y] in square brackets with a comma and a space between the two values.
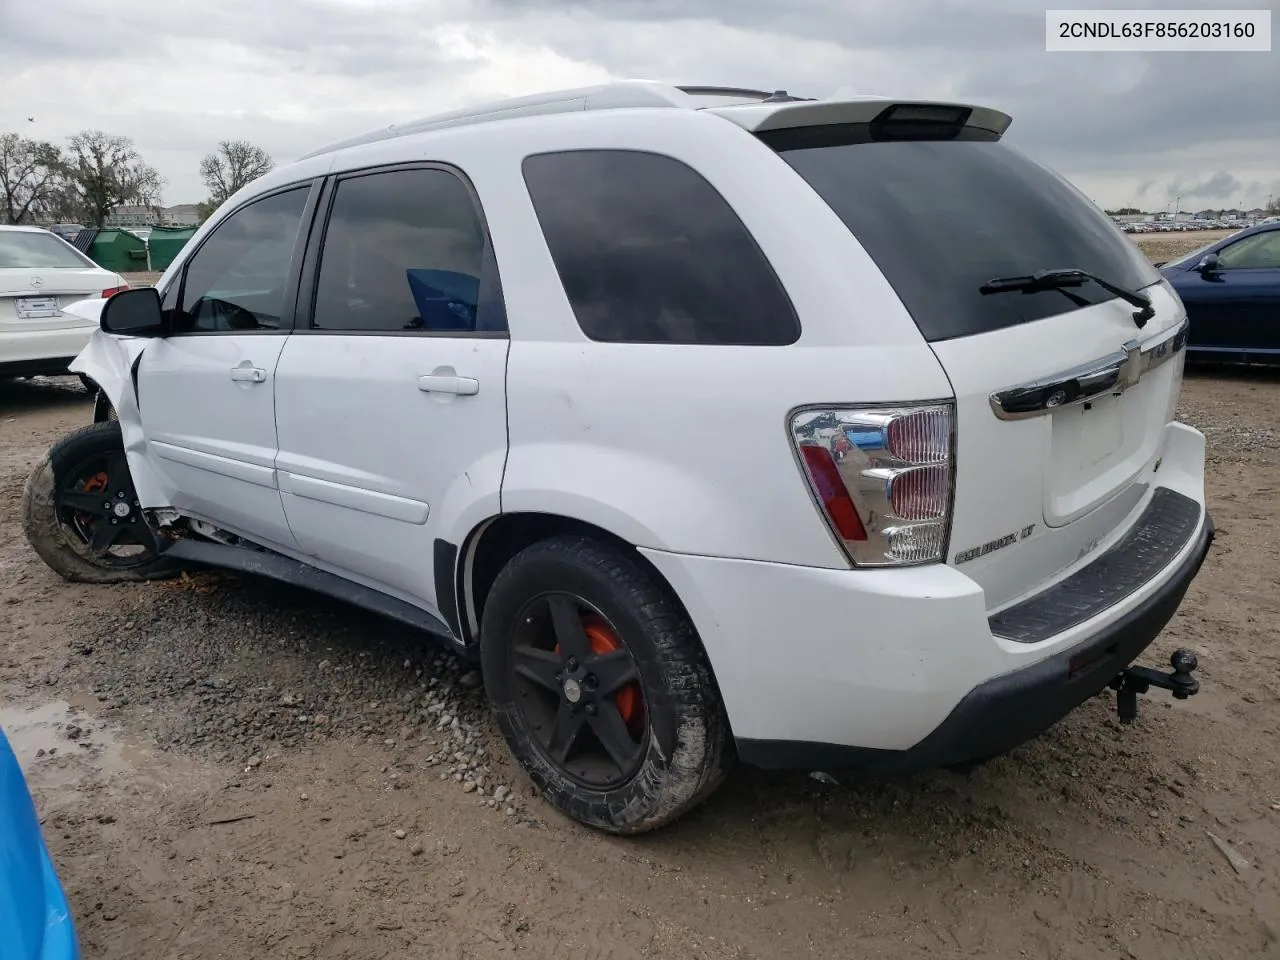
[105, 170]
[204, 210]
[30, 172]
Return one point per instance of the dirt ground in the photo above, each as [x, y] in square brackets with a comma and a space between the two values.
[228, 768]
[1161, 247]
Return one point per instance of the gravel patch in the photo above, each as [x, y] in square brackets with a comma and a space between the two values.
[1212, 404]
[297, 668]
[1162, 247]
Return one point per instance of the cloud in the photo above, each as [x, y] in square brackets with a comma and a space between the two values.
[291, 75]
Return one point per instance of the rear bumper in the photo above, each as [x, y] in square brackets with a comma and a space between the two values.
[1003, 712]
[903, 668]
[41, 352]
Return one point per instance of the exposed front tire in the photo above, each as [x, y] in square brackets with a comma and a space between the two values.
[81, 515]
[601, 686]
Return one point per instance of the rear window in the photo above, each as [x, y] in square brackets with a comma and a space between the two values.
[37, 251]
[649, 252]
[942, 217]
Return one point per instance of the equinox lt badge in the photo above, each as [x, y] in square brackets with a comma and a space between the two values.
[964, 556]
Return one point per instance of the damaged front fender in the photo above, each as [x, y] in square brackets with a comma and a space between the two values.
[110, 361]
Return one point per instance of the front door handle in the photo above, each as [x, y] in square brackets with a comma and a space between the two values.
[461, 386]
[247, 374]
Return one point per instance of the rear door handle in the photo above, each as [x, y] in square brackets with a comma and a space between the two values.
[247, 374]
[462, 386]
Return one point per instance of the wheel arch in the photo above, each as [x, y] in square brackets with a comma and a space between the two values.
[492, 543]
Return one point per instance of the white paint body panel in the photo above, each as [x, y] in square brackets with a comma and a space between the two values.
[212, 439]
[872, 658]
[676, 447]
[108, 361]
[681, 451]
[1071, 474]
[372, 469]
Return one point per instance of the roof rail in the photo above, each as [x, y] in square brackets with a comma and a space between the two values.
[608, 96]
[763, 96]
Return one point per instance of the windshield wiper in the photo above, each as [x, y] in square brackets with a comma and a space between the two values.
[1070, 277]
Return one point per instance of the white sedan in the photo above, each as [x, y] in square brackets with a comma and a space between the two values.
[40, 275]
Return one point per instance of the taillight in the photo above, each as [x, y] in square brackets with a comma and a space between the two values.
[882, 477]
[824, 476]
[112, 291]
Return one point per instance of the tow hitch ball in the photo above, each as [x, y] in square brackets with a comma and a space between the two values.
[1135, 680]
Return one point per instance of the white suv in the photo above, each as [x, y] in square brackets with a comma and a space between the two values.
[711, 422]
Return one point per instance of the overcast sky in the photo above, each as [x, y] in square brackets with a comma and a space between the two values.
[179, 75]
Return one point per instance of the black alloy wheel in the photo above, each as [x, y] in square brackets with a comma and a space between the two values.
[578, 689]
[96, 502]
[82, 515]
[601, 686]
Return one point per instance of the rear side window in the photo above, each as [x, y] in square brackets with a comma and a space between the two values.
[405, 250]
[942, 217]
[649, 252]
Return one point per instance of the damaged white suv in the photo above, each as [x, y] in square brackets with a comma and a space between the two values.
[713, 423]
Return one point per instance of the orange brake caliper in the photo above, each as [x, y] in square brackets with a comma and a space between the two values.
[97, 483]
[603, 640]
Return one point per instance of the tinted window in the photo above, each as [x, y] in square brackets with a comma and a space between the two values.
[1260, 251]
[942, 217]
[404, 250]
[26, 250]
[649, 252]
[236, 280]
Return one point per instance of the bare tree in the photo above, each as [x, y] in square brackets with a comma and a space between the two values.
[106, 170]
[235, 164]
[29, 176]
[61, 204]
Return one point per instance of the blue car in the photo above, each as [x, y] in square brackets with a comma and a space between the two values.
[35, 920]
[1231, 289]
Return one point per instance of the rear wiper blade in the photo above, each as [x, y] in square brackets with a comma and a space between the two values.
[1070, 277]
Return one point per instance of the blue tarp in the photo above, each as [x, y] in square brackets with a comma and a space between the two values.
[35, 920]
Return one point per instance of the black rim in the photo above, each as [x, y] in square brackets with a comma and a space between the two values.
[579, 691]
[95, 502]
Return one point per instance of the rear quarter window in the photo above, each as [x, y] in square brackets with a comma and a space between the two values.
[649, 252]
[942, 217]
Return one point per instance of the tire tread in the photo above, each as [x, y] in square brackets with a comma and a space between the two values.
[704, 745]
[40, 522]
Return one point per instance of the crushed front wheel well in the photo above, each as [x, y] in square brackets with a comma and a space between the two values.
[102, 409]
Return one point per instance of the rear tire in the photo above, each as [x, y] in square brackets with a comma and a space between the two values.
[630, 735]
[80, 512]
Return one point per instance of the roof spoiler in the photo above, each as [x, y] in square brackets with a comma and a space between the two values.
[763, 118]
